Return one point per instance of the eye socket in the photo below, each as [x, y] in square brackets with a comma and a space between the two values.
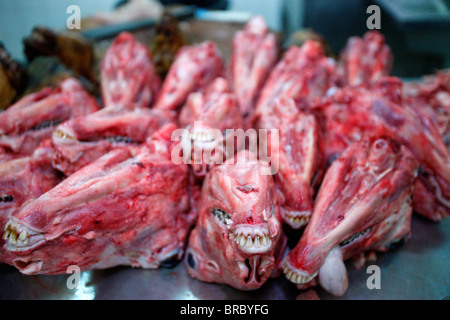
[221, 215]
[191, 260]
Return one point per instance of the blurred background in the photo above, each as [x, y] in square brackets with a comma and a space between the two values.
[418, 31]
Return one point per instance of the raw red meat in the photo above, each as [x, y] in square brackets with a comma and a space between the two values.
[255, 53]
[81, 140]
[364, 60]
[363, 204]
[303, 74]
[431, 96]
[355, 112]
[238, 237]
[128, 75]
[299, 151]
[25, 178]
[129, 207]
[195, 66]
[207, 115]
[32, 119]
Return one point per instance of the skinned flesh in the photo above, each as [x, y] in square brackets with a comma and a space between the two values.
[352, 113]
[303, 74]
[301, 161]
[25, 178]
[32, 119]
[129, 207]
[80, 141]
[195, 66]
[364, 60]
[203, 114]
[363, 204]
[255, 53]
[431, 96]
[128, 76]
[238, 238]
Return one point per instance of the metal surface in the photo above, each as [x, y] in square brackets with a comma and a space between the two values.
[418, 270]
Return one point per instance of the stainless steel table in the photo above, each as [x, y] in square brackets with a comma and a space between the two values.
[418, 270]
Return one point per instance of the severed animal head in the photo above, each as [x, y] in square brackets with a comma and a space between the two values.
[25, 178]
[300, 156]
[129, 207]
[128, 75]
[303, 74]
[207, 116]
[351, 113]
[363, 204]
[364, 60]
[238, 237]
[255, 53]
[194, 68]
[32, 119]
[81, 140]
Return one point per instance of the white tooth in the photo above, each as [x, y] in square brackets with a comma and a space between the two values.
[249, 241]
[23, 235]
[8, 225]
[242, 241]
[264, 240]
[294, 277]
[257, 243]
[6, 235]
[13, 237]
[289, 274]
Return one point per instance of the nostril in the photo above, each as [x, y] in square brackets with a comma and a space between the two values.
[28, 267]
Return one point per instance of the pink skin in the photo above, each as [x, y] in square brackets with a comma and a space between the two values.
[363, 204]
[216, 108]
[255, 53]
[303, 74]
[32, 119]
[25, 178]
[194, 68]
[237, 204]
[80, 141]
[128, 76]
[301, 161]
[352, 113]
[129, 207]
[365, 60]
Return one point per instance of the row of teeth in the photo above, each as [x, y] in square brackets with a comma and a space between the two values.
[221, 215]
[15, 234]
[6, 198]
[62, 135]
[295, 277]
[297, 220]
[202, 136]
[353, 237]
[118, 139]
[248, 241]
[46, 124]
